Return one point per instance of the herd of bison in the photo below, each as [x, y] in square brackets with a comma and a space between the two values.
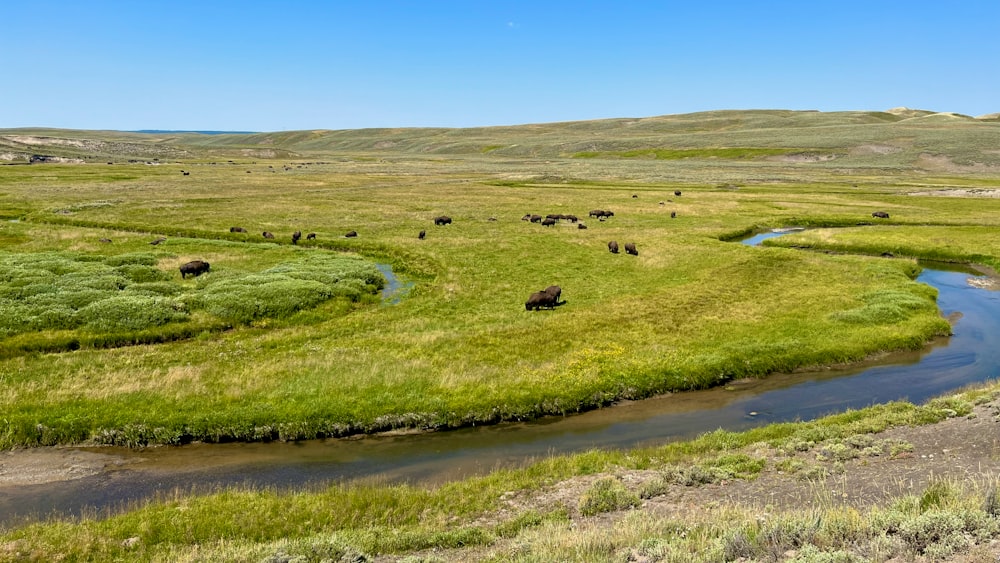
[547, 298]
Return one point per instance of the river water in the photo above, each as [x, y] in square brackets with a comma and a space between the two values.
[970, 355]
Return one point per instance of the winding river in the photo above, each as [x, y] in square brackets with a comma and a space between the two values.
[969, 356]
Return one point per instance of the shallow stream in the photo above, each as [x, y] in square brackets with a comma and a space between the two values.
[969, 356]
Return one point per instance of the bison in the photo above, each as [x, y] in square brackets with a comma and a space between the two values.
[442, 220]
[536, 218]
[673, 214]
[597, 213]
[296, 236]
[421, 235]
[540, 299]
[613, 247]
[158, 240]
[237, 230]
[105, 240]
[880, 214]
[527, 217]
[351, 234]
[581, 226]
[266, 234]
[195, 268]
[630, 249]
[311, 236]
[555, 291]
[571, 218]
[677, 193]
[548, 222]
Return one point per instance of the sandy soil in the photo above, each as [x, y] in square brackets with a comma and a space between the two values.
[47, 465]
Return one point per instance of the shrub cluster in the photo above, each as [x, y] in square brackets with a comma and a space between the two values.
[286, 288]
[127, 293]
[63, 291]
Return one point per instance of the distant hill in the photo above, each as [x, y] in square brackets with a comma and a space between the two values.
[897, 135]
[198, 132]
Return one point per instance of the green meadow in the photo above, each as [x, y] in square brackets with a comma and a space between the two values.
[103, 342]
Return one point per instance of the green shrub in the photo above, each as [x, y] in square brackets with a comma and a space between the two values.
[605, 495]
[130, 312]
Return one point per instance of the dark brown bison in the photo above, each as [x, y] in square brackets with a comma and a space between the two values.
[548, 221]
[237, 230]
[536, 218]
[880, 214]
[421, 235]
[158, 240]
[630, 249]
[266, 234]
[613, 247]
[540, 299]
[296, 236]
[677, 193]
[442, 220]
[555, 216]
[195, 268]
[581, 226]
[673, 214]
[635, 196]
[186, 173]
[311, 236]
[555, 291]
[351, 234]
[571, 218]
[597, 213]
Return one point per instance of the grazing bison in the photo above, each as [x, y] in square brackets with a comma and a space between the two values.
[527, 217]
[536, 219]
[185, 173]
[581, 226]
[296, 236]
[613, 247]
[663, 203]
[673, 214]
[635, 196]
[195, 268]
[555, 291]
[351, 234]
[880, 214]
[677, 193]
[555, 216]
[599, 213]
[421, 235]
[630, 249]
[571, 218]
[311, 236]
[540, 299]
[266, 234]
[158, 241]
[548, 222]
[237, 230]
[442, 220]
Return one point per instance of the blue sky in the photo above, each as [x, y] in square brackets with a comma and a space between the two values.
[271, 66]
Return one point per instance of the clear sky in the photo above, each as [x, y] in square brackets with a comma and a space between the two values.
[254, 65]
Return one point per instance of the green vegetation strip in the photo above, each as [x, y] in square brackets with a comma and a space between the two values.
[738, 153]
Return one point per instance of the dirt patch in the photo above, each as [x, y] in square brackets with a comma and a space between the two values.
[875, 149]
[37, 466]
[941, 163]
[802, 157]
[961, 192]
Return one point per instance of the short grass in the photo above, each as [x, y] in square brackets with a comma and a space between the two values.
[691, 311]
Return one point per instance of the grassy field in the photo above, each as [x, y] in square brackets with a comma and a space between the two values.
[271, 343]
